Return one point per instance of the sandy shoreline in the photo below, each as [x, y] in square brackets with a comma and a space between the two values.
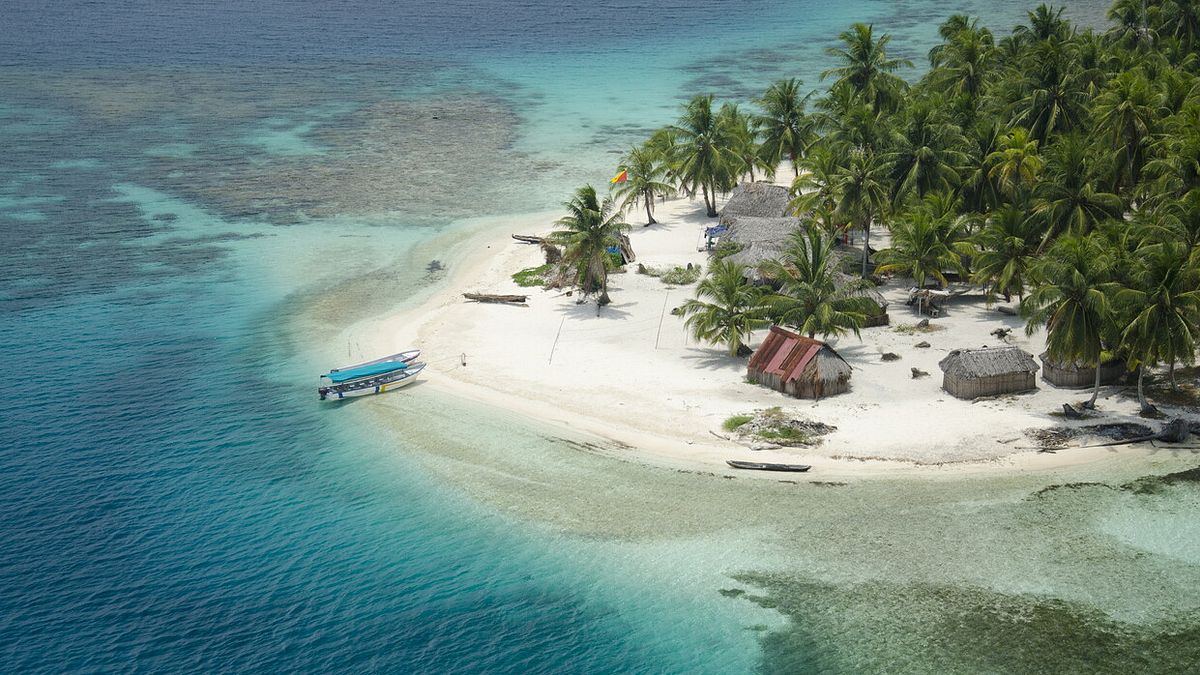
[628, 373]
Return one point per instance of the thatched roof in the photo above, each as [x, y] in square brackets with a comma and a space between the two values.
[1078, 366]
[747, 230]
[761, 239]
[969, 364]
[855, 287]
[759, 200]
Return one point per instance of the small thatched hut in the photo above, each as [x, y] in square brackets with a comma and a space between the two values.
[798, 366]
[759, 238]
[1079, 376]
[971, 373]
[758, 200]
[857, 288]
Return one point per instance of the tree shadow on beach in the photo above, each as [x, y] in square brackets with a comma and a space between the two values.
[714, 359]
[591, 310]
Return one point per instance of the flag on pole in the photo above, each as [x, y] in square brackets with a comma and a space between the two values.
[620, 178]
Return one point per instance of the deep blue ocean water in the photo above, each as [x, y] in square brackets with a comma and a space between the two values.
[174, 178]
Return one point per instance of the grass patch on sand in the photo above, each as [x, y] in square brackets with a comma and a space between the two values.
[532, 276]
[736, 421]
[911, 328]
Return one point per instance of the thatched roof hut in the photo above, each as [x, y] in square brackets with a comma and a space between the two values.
[760, 239]
[759, 200]
[798, 366]
[1078, 375]
[971, 373]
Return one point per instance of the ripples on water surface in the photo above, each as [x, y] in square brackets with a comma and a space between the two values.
[192, 193]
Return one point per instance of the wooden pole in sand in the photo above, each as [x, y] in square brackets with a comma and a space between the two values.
[560, 325]
[662, 315]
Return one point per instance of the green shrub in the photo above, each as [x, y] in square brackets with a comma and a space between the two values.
[726, 249]
[615, 261]
[733, 423]
[532, 276]
[680, 276]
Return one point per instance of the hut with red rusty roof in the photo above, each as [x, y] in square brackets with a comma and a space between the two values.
[798, 366]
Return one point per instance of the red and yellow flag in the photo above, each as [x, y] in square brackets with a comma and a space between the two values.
[620, 178]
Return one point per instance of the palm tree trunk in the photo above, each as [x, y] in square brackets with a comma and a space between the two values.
[649, 212]
[604, 299]
[710, 205]
[795, 165]
[866, 243]
[1171, 371]
[1141, 392]
[1096, 388]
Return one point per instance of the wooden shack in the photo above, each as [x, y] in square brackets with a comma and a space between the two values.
[1080, 376]
[971, 373]
[798, 366]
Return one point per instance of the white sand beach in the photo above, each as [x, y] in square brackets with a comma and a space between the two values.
[628, 372]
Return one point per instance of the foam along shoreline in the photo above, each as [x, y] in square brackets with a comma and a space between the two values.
[630, 374]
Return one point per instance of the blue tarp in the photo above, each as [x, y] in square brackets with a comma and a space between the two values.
[365, 371]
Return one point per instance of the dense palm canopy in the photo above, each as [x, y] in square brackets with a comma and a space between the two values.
[1067, 197]
[1058, 165]
[590, 228]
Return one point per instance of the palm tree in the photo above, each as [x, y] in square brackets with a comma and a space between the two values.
[862, 194]
[1176, 166]
[927, 153]
[1182, 19]
[1006, 247]
[923, 247]
[1045, 23]
[744, 147]
[645, 179]
[963, 65]
[1072, 301]
[1164, 301]
[1052, 96]
[817, 186]
[1017, 163]
[810, 299]
[1126, 112]
[1131, 24]
[867, 69]
[590, 228]
[785, 130]
[705, 154]
[1066, 196]
[736, 308]
[980, 191]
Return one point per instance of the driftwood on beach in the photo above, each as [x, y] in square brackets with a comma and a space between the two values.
[492, 297]
[528, 238]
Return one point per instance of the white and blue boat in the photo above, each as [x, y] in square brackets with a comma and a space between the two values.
[372, 377]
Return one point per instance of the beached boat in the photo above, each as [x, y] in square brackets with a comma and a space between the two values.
[403, 357]
[766, 466]
[372, 377]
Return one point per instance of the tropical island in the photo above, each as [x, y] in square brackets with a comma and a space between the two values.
[992, 261]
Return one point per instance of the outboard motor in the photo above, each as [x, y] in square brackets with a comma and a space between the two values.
[323, 391]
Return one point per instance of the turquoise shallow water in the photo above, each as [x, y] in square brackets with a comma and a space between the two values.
[192, 196]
